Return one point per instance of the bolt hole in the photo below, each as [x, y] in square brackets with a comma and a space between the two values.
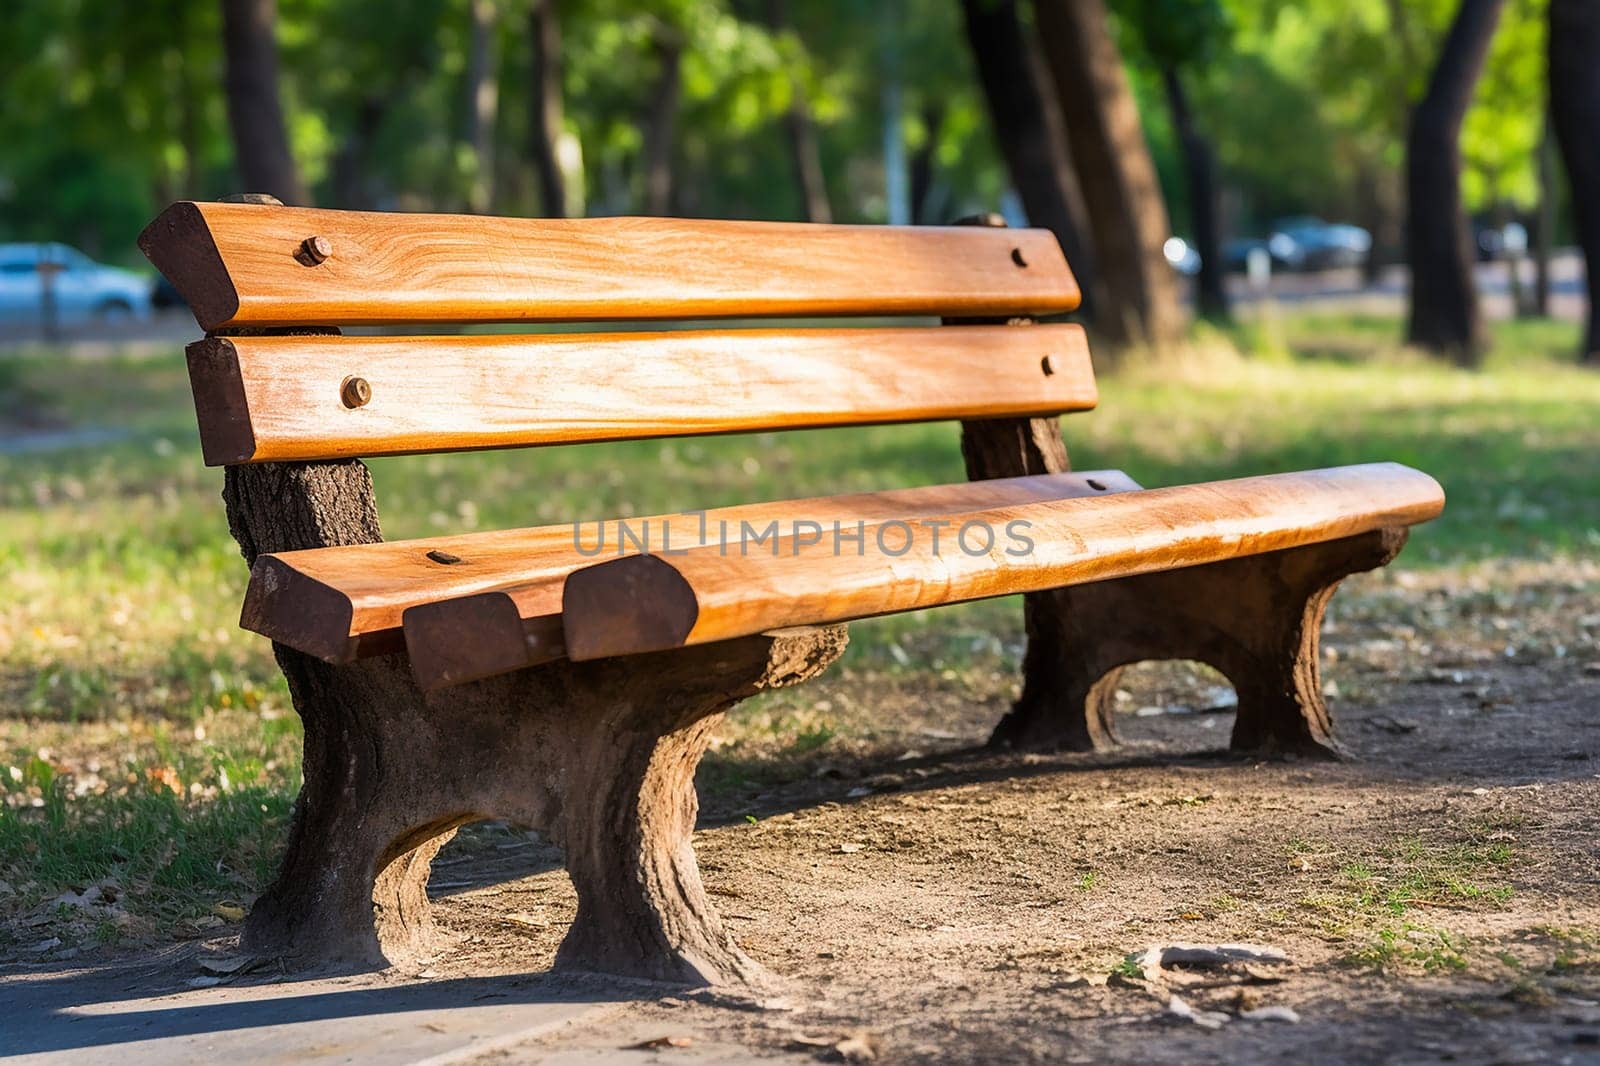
[444, 558]
[1018, 258]
[1098, 486]
[1047, 366]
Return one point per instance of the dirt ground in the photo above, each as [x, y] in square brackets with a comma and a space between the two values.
[1438, 896]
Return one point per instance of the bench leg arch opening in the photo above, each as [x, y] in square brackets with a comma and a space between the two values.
[1257, 619]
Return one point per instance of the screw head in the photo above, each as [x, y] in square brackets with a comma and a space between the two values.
[1047, 365]
[355, 392]
[1018, 258]
[314, 250]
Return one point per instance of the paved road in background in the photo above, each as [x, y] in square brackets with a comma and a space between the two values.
[1334, 291]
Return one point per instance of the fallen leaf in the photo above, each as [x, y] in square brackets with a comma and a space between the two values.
[523, 918]
[165, 777]
[1271, 1014]
[662, 1041]
[229, 912]
[859, 1046]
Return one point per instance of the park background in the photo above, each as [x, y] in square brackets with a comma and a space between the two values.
[149, 754]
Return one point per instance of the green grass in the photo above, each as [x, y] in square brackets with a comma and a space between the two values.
[120, 587]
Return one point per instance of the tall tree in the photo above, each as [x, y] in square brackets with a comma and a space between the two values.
[1118, 177]
[255, 112]
[804, 154]
[923, 168]
[1180, 37]
[544, 36]
[1205, 195]
[1574, 52]
[1027, 125]
[661, 118]
[483, 102]
[1445, 316]
[1544, 225]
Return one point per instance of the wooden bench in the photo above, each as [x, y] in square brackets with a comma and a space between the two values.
[522, 675]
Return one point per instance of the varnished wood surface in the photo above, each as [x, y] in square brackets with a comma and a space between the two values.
[343, 603]
[650, 603]
[471, 637]
[246, 265]
[262, 399]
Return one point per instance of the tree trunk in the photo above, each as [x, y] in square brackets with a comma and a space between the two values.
[923, 164]
[1115, 170]
[1204, 199]
[1575, 115]
[349, 175]
[661, 122]
[1445, 316]
[1027, 124]
[1380, 213]
[1544, 226]
[483, 104]
[804, 155]
[544, 33]
[255, 114]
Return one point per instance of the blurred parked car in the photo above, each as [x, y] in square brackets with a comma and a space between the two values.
[1236, 253]
[1181, 256]
[83, 289]
[1320, 245]
[1500, 242]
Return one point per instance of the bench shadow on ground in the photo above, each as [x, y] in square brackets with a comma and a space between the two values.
[118, 1005]
[1413, 738]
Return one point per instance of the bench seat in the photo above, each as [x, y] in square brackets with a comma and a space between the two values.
[347, 602]
[654, 603]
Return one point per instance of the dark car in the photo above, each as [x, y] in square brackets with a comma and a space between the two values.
[1320, 245]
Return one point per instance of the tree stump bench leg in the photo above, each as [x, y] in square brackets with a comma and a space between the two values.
[627, 816]
[599, 756]
[1256, 619]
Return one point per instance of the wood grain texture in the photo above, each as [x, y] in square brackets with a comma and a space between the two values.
[269, 399]
[472, 637]
[1073, 541]
[342, 604]
[236, 265]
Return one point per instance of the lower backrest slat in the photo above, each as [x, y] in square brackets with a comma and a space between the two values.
[275, 398]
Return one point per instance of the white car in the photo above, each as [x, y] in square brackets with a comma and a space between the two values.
[83, 290]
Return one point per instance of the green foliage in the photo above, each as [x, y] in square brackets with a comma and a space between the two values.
[117, 108]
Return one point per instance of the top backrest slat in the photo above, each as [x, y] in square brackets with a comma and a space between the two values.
[249, 265]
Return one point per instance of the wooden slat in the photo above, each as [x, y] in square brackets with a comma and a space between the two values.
[262, 399]
[651, 603]
[472, 637]
[244, 265]
[344, 603]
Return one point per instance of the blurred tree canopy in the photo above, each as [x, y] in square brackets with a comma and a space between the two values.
[115, 108]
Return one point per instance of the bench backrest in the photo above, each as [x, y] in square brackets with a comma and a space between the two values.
[247, 269]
